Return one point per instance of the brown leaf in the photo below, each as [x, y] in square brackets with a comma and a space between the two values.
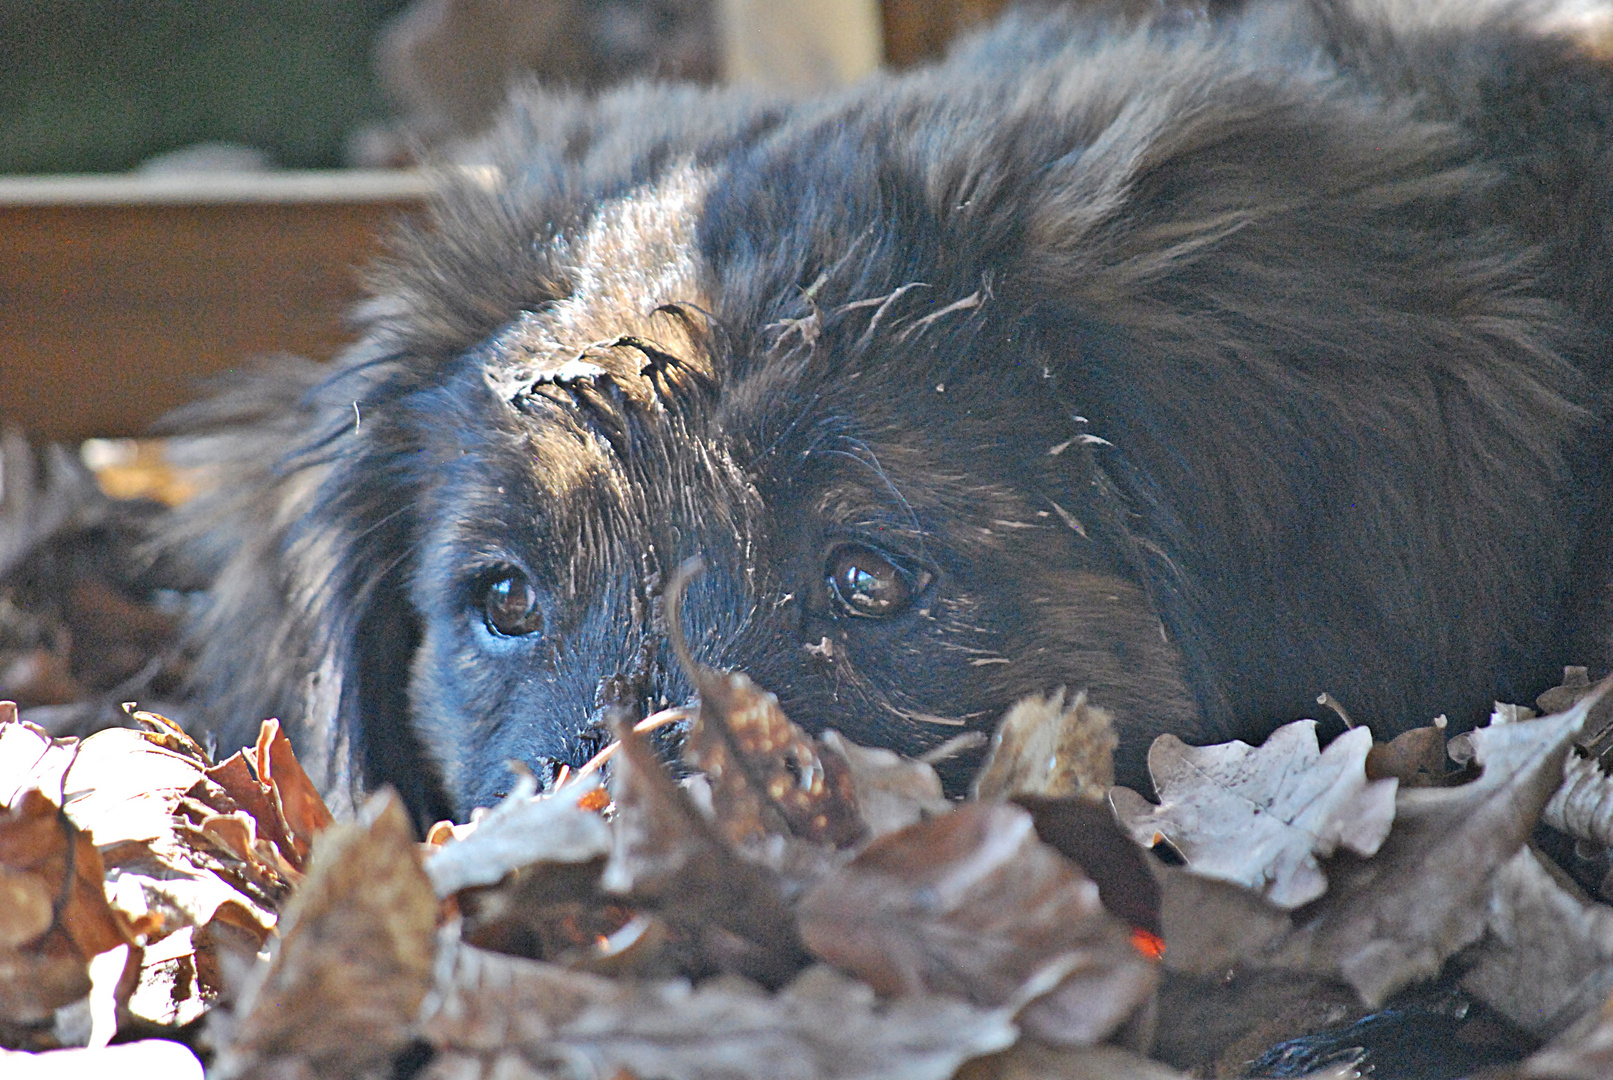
[1390, 920]
[1546, 958]
[1262, 816]
[301, 806]
[493, 1015]
[768, 777]
[1416, 758]
[40, 848]
[972, 904]
[135, 793]
[1050, 746]
[1218, 1026]
[353, 962]
[268, 783]
[1085, 832]
[667, 856]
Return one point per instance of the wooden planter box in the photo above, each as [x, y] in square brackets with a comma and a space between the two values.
[119, 294]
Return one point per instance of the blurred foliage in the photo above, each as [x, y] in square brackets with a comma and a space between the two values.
[99, 85]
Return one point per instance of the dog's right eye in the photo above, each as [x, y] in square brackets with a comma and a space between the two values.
[510, 604]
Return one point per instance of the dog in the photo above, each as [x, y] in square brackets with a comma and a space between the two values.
[1200, 361]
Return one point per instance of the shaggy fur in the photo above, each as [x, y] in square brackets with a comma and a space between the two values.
[1204, 364]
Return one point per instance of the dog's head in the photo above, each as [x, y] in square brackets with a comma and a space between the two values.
[904, 530]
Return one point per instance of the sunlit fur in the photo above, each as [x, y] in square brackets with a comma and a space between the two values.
[1206, 364]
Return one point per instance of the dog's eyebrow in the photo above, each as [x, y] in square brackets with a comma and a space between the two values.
[864, 455]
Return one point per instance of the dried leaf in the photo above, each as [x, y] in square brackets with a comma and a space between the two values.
[354, 958]
[498, 1016]
[520, 831]
[1218, 1026]
[1034, 1061]
[1546, 958]
[1583, 1052]
[667, 856]
[268, 783]
[767, 775]
[29, 757]
[1388, 921]
[1582, 806]
[146, 1058]
[1575, 685]
[972, 904]
[1416, 758]
[892, 791]
[41, 848]
[1050, 746]
[1212, 927]
[1085, 832]
[1261, 817]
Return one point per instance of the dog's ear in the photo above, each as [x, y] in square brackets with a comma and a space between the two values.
[303, 541]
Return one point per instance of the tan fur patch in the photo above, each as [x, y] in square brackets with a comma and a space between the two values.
[636, 256]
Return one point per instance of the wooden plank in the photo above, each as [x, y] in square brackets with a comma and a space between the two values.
[919, 30]
[112, 311]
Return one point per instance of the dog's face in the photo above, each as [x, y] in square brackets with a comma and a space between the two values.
[901, 526]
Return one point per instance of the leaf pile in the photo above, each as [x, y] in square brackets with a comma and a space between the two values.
[803, 907]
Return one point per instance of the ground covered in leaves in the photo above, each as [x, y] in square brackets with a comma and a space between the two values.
[790, 906]
[807, 908]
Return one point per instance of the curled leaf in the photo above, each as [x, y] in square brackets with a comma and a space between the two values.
[1052, 746]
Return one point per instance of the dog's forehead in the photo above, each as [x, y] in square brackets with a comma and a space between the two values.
[635, 274]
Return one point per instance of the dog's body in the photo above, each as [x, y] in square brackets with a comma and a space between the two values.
[1204, 365]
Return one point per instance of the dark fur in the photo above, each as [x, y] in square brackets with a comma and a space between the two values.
[1311, 298]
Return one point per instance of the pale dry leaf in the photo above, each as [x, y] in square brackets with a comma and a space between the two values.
[493, 1015]
[29, 757]
[893, 791]
[354, 959]
[1582, 806]
[146, 1058]
[521, 830]
[1388, 921]
[1263, 816]
[1546, 958]
[1053, 746]
[1211, 927]
[972, 904]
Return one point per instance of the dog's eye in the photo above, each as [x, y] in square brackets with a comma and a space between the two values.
[510, 604]
[869, 584]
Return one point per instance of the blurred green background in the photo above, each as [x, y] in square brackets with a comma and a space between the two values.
[100, 85]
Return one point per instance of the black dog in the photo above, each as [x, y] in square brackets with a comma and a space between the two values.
[1203, 363]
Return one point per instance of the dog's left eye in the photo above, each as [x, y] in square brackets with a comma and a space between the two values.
[510, 604]
[868, 584]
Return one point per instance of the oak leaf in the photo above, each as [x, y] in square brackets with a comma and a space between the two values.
[1263, 816]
